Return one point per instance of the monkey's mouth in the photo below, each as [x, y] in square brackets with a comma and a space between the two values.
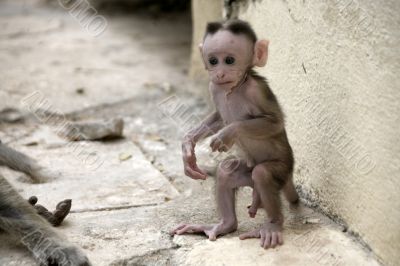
[223, 83]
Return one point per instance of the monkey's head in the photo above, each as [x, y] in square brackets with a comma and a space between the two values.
[229, 50]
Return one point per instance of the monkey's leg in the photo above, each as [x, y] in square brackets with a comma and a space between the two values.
[269, 178]
[231, 174]
[20, 220]
[290, 191]
[20, 162]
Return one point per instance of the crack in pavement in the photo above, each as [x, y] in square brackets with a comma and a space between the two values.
[115, 208]
[156, 164]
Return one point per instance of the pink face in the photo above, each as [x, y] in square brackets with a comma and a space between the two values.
[227, 57]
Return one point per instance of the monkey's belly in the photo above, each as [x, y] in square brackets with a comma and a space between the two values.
[258, 151]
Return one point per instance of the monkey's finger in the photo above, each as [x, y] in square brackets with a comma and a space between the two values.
[215, 144]
[251, 234]
[222, 148]
[213, 147]
[212, 143]
[191, 228]
[182, 230]
[218, 147]
[197, 169]
[194, 174]
[262, 239]
[274, 239]
[267, 241]
[173, 231]
[212, 236]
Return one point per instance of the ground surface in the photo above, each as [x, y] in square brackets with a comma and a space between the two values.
[128, 193]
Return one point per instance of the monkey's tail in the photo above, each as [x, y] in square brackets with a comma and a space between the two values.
[18, 161]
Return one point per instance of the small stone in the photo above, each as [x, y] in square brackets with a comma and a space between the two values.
[32, 143]
[155, 137]
[151, 85]
[11, 115]
[124, 156]
[94, 130]
[80, 90]
[311, 221]
[167, 87]
[152, 159]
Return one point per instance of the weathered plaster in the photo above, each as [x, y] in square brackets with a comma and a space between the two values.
[334, 67]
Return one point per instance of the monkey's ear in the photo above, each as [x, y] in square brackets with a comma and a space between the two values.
[201, 54]
[260, 53]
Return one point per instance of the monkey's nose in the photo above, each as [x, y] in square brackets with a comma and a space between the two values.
[220, 75]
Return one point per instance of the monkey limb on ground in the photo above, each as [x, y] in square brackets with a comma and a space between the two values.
[21, 220]
[54, 218]
[20, 162]
[247, 114]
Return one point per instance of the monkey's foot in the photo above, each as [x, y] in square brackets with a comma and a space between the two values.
[55, 218]
[270, 235]
[212, 230]
[62, 210]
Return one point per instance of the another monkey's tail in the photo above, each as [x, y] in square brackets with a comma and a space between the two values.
[18, 161]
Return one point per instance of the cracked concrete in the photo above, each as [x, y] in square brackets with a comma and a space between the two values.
[122, 210]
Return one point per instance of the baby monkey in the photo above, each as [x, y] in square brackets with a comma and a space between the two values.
[247, 114]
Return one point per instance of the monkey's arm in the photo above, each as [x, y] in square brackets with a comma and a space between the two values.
[209, 126]
[260, 127]
[266, 121]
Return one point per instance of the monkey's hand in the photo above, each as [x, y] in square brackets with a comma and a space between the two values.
[190, 162]
[224, 139]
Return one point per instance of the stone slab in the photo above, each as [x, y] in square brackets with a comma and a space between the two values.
[120, 236]
[94, 177]
[319, 246]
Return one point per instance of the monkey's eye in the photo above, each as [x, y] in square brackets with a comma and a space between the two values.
[213, 61]
[229, 60]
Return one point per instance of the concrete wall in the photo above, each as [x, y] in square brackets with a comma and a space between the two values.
[335, 68]
[203, 11]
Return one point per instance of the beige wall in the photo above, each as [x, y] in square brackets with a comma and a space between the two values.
[203, 11]
[335, 68]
